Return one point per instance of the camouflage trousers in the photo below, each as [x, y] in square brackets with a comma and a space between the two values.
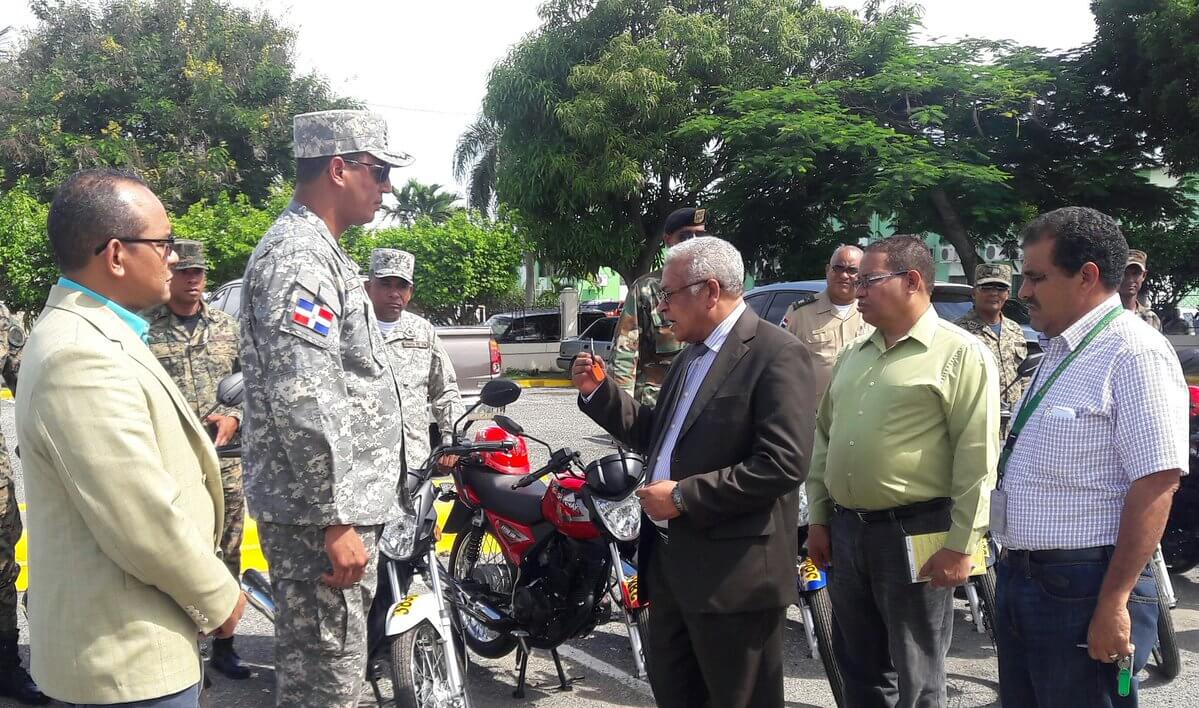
[235, 517]
[320, 632]
[10, 533]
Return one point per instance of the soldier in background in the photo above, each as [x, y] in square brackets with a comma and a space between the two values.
[1002, 335]
[323, 429]
[644, 344]
[419, 359]
[826, 323]
[15, 681]
[197, 345]
[1130, 288]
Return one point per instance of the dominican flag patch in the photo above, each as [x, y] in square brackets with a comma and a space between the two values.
[313, 316]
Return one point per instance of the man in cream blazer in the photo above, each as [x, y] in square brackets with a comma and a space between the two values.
[123, 484]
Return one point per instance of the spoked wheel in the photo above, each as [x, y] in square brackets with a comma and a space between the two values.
[822, 618]
[419, 673]
[477, 557]
[1165, 654]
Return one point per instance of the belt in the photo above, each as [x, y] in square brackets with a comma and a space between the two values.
[1094, 554]
[899, 512]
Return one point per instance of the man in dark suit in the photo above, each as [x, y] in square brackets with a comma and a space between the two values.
[723, 443]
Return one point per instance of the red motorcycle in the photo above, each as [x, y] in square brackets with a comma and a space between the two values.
[532, 564]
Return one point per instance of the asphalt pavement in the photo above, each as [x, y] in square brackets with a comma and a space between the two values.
[602, 662]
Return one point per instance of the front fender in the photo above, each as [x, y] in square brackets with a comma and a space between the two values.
[410, 611]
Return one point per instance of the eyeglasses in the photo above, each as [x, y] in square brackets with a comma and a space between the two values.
[844, 269]
[667, 294]
[384, 171]
[872, 280]
[168, 243]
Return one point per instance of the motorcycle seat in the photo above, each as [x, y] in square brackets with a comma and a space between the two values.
[496, 492]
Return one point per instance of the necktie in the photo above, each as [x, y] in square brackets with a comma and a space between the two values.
[694, 353]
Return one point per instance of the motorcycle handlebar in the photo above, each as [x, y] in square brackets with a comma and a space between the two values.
[559, 460]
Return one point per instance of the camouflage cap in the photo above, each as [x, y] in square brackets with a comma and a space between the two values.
[1138, 258]
[993, 273]
[329, 133]
[392, 263]
[191, 255]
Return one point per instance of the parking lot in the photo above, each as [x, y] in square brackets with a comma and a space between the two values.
[603, 660]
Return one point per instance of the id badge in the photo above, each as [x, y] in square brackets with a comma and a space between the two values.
[998, 511]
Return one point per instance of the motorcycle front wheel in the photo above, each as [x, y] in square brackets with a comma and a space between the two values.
[1165, 654]
[419, 673]
[822, 618]
[473, 550]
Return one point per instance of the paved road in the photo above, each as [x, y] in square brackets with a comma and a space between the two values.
[604, 659]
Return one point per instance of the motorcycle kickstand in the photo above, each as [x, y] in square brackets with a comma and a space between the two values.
[523, 665]
[563, 684]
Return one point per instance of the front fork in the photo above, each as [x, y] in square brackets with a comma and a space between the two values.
[445, 634]
[629, 596]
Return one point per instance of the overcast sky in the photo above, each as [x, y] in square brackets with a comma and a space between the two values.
[424, 63]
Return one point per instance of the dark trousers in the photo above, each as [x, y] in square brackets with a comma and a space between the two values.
[699, 660]
[890, 635]
[1043, 613]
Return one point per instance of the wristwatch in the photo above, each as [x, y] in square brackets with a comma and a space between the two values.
[676, 496]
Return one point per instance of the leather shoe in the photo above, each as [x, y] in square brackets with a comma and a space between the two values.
[17, 684]
[225, 660]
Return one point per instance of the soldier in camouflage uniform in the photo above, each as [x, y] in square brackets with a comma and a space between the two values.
[1130, 288]
[15, 681]
[197, 345]
[644, 344]
[1003, 336]
[420, 362]
[323, 429]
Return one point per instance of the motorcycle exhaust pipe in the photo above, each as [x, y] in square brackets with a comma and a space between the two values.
[481, 611]
[258, 593]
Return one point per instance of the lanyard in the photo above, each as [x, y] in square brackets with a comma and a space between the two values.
[1032, 403]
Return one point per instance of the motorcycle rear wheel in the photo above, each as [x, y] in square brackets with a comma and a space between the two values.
[985, 586]
[469, 548]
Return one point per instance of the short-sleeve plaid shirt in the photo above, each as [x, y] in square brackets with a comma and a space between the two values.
[1116, 414]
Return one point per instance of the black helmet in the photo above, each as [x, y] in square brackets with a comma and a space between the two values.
[613, 476]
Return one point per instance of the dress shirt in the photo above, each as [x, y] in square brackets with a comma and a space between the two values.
[915, 422]
[1117, 413]
[139, 325]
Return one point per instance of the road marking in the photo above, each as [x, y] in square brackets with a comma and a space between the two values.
[621, 676]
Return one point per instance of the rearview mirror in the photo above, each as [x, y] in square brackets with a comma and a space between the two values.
[498, 393]
[231, 390]
[1029, 366]
[508, 424]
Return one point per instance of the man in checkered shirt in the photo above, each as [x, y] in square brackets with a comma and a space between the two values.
[1089, 478]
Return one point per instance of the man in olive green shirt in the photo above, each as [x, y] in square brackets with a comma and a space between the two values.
[907, 439]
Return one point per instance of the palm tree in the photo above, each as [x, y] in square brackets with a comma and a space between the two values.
[476, 159]
[6, 36]
[416, 199]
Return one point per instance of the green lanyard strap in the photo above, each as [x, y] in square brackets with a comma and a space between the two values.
[1032, 403]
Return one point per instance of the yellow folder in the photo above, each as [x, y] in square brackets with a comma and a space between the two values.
[921, 547]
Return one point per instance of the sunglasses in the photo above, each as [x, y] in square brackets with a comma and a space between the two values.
[844, 269]
[381, 176]
[168, 243]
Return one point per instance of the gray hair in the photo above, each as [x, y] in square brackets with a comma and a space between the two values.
[844, 247]
[710, 257]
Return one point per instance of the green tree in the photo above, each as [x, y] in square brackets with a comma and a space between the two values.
[27, 268]
[968, 139]
[476, 161]
[416, 200]
[230, 228]
[466, 260]
[587, 111]
[1144, 52]
[197, 95]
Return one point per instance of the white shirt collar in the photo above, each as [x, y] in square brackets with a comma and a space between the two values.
[1075, 333]
[716, 339]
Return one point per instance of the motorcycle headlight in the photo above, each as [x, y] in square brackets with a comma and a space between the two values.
[398, 538]
[621, 518]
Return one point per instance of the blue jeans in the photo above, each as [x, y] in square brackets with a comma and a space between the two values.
[1043, 611]
[187, 698]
